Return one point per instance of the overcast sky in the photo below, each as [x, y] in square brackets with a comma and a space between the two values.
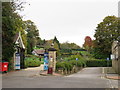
[68, 20]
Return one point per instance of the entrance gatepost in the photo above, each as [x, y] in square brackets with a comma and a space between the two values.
[52, 58]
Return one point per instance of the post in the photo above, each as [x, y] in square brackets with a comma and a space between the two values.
[107, 65]
[119, 55]
[52, 58]
[52, 55]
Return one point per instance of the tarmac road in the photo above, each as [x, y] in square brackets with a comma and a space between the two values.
[92, 77]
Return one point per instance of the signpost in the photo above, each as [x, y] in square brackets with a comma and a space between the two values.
[112, 57]
[17, 61]
[76, 59]
[45, 61]
[108, 64]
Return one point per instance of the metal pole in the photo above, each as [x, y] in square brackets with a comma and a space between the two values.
[107, 65]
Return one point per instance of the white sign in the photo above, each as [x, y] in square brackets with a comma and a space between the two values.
[107, 58]
[76, 59]
[5, 66]
[17, 61]
[112, 56]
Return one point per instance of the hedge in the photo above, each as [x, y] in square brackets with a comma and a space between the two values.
[32, 61]
[60, 65]
[98, 63]
[68, 65]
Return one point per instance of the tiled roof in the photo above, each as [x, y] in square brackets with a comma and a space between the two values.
[39, 51]
[52, 49]
[18, 39]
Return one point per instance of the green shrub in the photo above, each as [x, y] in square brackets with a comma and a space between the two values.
[60, 65]
[79, 64]
[42, 60]
[64, 66]
[98, 63]
[73, 62]
[68, 63]
[25, 63]
[68, 66]
[32, 61]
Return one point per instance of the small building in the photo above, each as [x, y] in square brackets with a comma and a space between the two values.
[19, 54]
[116, 56]
[38, 52]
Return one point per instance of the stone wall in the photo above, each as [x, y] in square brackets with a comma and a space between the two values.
[66, 72]
[116, 56]
[52, 54]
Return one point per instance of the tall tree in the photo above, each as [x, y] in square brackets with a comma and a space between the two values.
[56, 41]
[88, 43]
[8, 31]
[10, 25]
[106, 32]
[67, 45]
[32, 35]
[57, 45]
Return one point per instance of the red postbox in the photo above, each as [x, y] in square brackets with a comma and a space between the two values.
[50, 70]
[3, 66]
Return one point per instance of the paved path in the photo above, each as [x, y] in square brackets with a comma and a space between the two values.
[30, 78]
[96, 76]
[25, 72]
[94, 72]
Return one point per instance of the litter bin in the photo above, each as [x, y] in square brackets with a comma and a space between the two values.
[3, 66]
[50, 70]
